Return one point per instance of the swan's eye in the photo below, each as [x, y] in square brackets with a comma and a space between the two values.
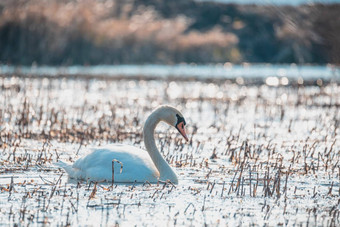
[180, 119]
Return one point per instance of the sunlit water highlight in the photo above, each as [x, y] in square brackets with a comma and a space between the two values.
[226, 71]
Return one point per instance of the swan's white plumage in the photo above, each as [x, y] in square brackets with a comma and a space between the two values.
[138, 165]
[97, 166]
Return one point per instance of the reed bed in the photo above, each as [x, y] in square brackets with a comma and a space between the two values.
[257, 155]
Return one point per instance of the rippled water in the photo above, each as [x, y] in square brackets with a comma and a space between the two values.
[258, 154]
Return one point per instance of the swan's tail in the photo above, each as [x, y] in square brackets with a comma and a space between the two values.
[72, 172]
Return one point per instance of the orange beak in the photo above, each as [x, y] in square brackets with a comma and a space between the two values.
[181, 129]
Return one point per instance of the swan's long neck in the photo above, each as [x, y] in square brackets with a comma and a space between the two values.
[165, 171]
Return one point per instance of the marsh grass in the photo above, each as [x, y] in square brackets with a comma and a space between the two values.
[256, 155]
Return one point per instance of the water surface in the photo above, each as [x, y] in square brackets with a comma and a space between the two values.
[226, 71]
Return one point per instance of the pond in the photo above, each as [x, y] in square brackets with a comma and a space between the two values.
[257, 154]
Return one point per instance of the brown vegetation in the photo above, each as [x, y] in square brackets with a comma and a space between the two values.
[112, 31]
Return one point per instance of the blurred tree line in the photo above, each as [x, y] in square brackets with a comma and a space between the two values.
[67, 32]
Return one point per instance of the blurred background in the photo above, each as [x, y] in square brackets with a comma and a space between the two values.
[111, 32]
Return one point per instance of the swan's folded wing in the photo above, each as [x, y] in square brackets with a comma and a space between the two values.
[136, 165]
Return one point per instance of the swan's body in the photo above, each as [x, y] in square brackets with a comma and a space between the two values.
[138, 165]
[97, 166]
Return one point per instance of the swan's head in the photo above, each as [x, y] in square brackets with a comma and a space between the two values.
[173, 117]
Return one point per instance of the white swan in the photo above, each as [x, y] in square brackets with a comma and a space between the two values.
[138, 165]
